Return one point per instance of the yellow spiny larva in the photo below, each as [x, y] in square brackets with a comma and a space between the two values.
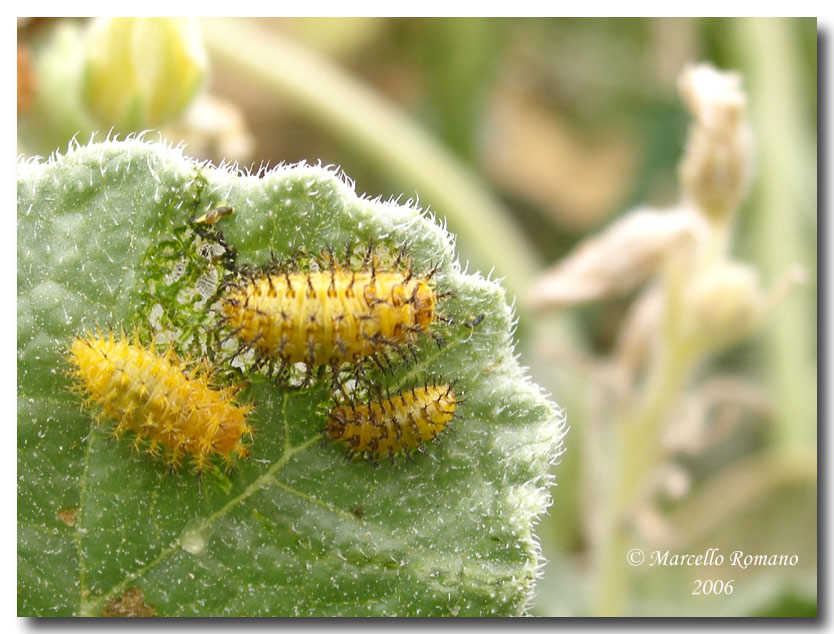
[176, 411]
[386, 427]
[329, 317]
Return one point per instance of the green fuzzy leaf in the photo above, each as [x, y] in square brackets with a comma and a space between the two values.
[107, 238]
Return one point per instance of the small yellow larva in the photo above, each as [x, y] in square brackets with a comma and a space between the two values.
[388, 426]
[156, 398]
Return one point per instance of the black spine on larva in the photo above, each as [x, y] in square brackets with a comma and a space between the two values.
[331, 290]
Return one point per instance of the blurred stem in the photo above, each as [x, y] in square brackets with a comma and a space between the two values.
[641, 441]
[783, 221]
[398, 145]
[638, 446]
[459, 55]
[637, 435]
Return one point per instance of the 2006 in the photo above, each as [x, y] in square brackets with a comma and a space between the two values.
[708, 586]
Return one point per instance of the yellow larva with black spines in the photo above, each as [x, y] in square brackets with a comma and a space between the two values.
[388, 426]
[177, 412]
[329, 317]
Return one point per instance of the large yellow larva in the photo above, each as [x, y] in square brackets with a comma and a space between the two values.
[388, 426]
[176, 411]
[329, 317]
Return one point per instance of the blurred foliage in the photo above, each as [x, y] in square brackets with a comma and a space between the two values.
[565, 125]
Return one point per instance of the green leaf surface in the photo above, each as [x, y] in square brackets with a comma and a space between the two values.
[294, 530]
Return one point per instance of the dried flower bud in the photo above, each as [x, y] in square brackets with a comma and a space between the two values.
[141, 72]
[716, 168]
[619, 259]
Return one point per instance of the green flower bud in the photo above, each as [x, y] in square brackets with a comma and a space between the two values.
[141, 72]
[726, 305]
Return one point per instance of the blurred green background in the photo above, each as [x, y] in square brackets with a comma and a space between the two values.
[526, 136]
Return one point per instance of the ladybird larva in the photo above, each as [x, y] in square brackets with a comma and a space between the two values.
[154, 396]
[388, 426]
[329, 317]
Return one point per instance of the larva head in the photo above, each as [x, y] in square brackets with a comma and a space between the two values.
[232, 426]
[442, 401]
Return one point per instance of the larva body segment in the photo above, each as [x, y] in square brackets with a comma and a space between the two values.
[329, 317]
[178, 413]
[386, 427]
